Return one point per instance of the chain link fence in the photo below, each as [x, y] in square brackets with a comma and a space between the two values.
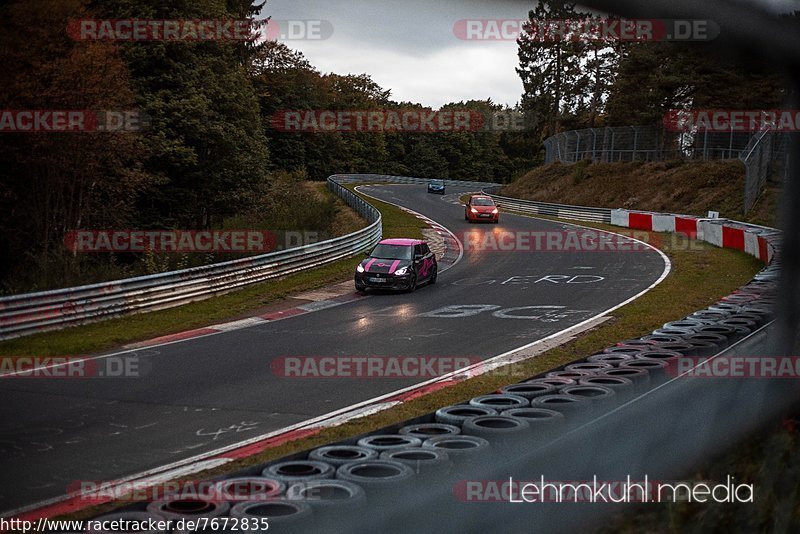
[643, 143]
[765, 158]
[763, 153]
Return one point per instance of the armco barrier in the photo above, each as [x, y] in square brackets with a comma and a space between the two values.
[562, 211]
[30, 313]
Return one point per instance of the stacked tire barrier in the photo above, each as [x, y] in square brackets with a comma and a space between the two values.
[628, 408]
[31, 313]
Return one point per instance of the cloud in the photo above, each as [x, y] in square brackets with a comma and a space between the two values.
[409, 47]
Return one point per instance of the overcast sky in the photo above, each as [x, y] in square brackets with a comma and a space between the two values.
[408, 46]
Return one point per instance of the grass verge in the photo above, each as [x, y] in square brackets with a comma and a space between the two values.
[396, 222]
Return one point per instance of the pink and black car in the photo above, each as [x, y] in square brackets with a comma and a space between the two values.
[399, 264]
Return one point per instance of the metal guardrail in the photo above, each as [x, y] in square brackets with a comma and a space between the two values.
[351, 178]
[30, 313]
[562, 211]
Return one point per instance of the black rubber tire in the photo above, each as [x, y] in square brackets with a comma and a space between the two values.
[657, 369]
[293, 471]
[590, 367]
[336, 504]
[685, 349]
[760, 309]
[572, 375]
[658, 340]
[435, 275]
[554, 381]
[675, 331]
[338, 455]
[528, 391]
[412, 286]
[501, 431]
[429, 463]
[757, 319]
[388, 442]
[614, 358]
[701, 347]
[460, 449]
[188, 508]
[381, 479]
[592, 393]
[569, 405]
[429, 430]
[457, 414]
[239, 489]
[499, 402]
[741, 322]
[660, 354]
[688, 323]
[710, 315]
[625, 349]
[636, 343]
[284, 515]
[639, 377]
[719, 342]
[542, 422]
[724, 306]
[623, 387]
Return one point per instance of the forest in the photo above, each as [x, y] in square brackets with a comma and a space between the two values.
[209, 153]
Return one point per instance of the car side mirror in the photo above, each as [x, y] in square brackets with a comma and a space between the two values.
[418, 257]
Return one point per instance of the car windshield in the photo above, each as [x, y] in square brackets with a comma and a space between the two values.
[392, 252]
[482, 202]
[437, 182]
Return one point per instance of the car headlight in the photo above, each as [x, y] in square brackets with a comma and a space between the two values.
[473, 210]
[401, 271]
[360, 268]
[494, 211]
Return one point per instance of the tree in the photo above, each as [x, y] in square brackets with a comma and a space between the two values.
[550, 67]
[52, 183]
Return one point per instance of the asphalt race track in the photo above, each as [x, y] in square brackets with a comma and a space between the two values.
[202, 394]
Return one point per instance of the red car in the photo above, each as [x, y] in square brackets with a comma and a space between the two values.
[481, 208]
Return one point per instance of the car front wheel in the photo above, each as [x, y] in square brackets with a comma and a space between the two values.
[412, 284]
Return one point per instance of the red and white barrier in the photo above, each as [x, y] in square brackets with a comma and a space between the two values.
[755, 240]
